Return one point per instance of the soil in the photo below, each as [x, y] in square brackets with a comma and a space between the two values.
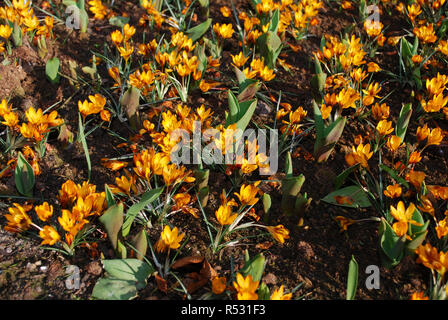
[316, 255]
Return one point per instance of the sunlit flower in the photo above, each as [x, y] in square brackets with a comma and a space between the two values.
[442, 228]
[98, 9]
[380, 112]
[404, 217]
[224, 31]
[435, 136]
[419, 296]
[239, 59]
[361, 154]
[126, 52]
[225, 11]
[246, 287]
[279, 232]
[426, 205]
[49, 235]
[413, 11]
[422, 133]
[11, 119]
[224, 215]
[248, 193]
[425, 34]
[128, 31]
[393, 191]
[169, 238]
[373, 67]
[432, 259]
[384, 127]
[278, 294]
[416, 178]
[17, 219]
[117, 37]
[44, 211]
[5, 31]
[393, 143]
[415, 157]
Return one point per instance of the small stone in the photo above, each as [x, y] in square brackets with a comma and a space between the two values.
[263, 108]
[94, 268]
[270, 279]
[31, 267]
[8, 250]
[44, 268]
[38, 263]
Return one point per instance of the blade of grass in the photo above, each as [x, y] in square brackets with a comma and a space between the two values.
[84, 146]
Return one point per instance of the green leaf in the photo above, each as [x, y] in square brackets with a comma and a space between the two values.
[197, 32]
[52, 70]
[122, 252]
[263, 292]
[240, 76]
[267, 202]
[406, 52]
[129, 270]
[114, 289]
[240, 112]
[355, 196]
[82, 137]
[391, 244]
[234, 108]
[318, 122]
[270, 46]
[403, 121]
[84, 19]
[24, 176]
[140, 243]
[418, 239]
[288, 165]
[290, 190]
[326, 137]
[17, 35]
[352, 280]
[417, 216]
[273, 25]
[119, 21]
[112, 221]
[109, 196]
[146, 199]
[124, 277]
[254, 267]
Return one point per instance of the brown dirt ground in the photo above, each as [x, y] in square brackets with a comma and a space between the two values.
[317, 254]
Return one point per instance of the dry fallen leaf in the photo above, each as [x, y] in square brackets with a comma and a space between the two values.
[187, 261]
[161, 283]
